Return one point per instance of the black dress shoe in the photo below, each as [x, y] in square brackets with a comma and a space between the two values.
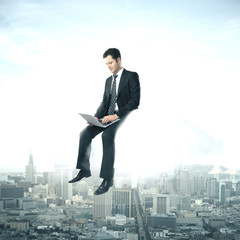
[105, 185]
[80, 175]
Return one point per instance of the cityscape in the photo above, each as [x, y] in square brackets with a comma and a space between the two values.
[192, 202]
[177, 173]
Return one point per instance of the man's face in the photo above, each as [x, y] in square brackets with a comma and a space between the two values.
[113, 65]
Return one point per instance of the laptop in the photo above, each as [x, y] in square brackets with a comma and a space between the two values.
[92, 120]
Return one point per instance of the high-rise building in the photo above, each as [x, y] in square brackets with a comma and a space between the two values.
[54, 185]
[161, 204]
[183, 181]
[10, 196]
[102, 206]
[25, 184]
[122, 201]
[199, 184]
[30, 170]
[147, 199]
[66, 188]
[186, 202]
[58, 185]
[238, 188]
[82, 189]
[175, 202]
[222, 193]
[212, 187]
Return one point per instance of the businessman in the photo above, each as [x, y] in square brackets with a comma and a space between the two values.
[121, 96]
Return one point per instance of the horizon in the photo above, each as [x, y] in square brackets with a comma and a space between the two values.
[118, 173]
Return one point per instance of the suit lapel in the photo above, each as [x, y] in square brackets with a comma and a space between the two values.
[109, 84]
[121, 80]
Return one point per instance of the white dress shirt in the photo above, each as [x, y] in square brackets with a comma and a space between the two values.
[119, 74]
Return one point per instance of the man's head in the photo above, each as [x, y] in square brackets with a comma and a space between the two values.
[113, 60]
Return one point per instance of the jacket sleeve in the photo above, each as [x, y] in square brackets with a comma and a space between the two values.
[134, 96]
[103, 105]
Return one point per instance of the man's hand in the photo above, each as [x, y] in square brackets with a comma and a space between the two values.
[89, 124]
[110, 118]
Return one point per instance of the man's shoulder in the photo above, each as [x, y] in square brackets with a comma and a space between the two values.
[129, 72]
[109, 79]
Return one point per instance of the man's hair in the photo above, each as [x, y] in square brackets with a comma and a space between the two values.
[114, 52]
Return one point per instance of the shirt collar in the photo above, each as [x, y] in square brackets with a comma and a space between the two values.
[119, 74]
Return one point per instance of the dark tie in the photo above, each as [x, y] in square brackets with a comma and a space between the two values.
[113, 97]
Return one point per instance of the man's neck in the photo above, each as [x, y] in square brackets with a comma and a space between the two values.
[118, 71]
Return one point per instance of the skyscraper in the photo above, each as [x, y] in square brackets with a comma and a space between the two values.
[30, 170]
[183, 181]
[212, 187]
[161, 204]
[238, 188]
[222, 193]
[102, 206]
[122, 202]
[66, 188]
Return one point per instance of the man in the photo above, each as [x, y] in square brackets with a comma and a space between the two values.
[121, 96]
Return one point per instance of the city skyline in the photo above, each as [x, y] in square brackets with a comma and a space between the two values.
[187, 57]
[193, 203]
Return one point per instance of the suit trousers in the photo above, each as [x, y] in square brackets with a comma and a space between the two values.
[108, 141]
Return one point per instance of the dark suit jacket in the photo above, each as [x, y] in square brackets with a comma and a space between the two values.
[128, 95]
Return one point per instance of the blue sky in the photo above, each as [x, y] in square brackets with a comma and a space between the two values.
[51, 68]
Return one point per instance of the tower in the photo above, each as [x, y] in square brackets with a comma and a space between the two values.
[66, 188]
[212, 187]
[102, 205]
[30, 170]
[222, 193]
[122, 202]
[238, 188]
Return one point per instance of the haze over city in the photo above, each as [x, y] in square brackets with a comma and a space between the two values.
[51, 68]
